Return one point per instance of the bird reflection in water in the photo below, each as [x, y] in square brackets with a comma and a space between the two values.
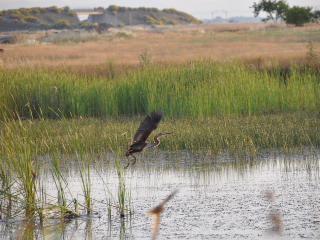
[155, 212]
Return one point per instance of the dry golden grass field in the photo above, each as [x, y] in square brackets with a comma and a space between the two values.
[84, 51]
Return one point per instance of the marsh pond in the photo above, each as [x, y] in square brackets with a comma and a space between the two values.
[269, 196]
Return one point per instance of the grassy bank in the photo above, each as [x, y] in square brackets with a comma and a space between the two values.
[211, 135]
[195, 89]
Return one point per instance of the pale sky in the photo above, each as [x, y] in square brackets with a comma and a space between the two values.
[198, 8]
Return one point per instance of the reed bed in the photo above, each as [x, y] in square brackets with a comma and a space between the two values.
[51, 116]
[247, 134]
[200, 88]
[25, 167]
[211, 106]
[78, 140]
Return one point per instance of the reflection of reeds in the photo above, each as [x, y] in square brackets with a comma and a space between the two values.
[277, 222]
[155, 212]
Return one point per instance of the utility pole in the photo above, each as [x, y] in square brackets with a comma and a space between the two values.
[116, 19]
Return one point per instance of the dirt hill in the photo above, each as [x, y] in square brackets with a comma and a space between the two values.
[113, 16]
[38, 18]
[120, 16]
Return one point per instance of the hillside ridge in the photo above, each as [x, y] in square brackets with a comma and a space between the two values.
[38, 18]
[121, 16]
[114, 16]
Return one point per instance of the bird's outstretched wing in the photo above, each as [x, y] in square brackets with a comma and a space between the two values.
[149, 124]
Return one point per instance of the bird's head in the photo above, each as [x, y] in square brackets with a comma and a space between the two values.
[162, 134]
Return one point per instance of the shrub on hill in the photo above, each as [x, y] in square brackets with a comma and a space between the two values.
[62, 23]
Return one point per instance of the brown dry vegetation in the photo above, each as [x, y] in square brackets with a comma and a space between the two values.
[228, 41]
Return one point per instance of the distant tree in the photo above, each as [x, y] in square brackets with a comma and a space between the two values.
[99, 8]
[281, 9]
[150, 20]
[275, 9]
[54, 9]
[122, 9]
[316, 16]
[32, 19]
[114, 9]
[35, 11]
[66, 9]
[16, 17]
[25, 11]
[62, 23]
[85, 24]
[299, 15]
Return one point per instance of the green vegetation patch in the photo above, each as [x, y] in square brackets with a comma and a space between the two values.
[50, 116]
[198, 89]
[210, 135]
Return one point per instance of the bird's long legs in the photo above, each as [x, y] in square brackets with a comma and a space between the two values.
[132, 161]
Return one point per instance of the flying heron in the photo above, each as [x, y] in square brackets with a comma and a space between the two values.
[139, 143]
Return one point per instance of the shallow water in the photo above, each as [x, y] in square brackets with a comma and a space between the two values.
[218, 198]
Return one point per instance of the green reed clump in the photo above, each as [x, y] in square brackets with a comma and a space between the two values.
[22, 186]
[17, 158]
[60, 184]
[201, 88]
[5, 192]
[124, 198]
[85, 181]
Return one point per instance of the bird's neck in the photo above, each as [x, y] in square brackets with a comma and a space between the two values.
[156, 141]
[154, 144]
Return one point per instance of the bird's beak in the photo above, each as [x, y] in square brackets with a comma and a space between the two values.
[169, 132]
